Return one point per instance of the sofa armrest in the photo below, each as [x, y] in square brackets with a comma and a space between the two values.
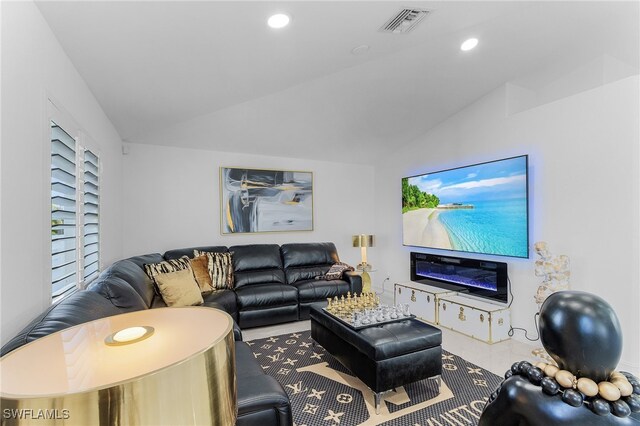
[354, 280]
[237, 333]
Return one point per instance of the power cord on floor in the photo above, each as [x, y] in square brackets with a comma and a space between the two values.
[510, 292]
[385, 280]
[535, 319]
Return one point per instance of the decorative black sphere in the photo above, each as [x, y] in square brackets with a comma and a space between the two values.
[600, 407]
[582, 334]
[508, 374]
[620, 408]
[535, 375]
[549, 386]
[572, 397]
[633, 401]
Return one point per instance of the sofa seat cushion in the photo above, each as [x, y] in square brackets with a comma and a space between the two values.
[264, 276]
[246, 361]
[311, 290]
[305, 273]
[261, 399]
[224, 298]
[81, 307]
[266, 295]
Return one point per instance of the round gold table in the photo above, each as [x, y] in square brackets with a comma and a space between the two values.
[182, 374]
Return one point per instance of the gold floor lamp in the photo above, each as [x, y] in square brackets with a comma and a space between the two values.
[363, 241]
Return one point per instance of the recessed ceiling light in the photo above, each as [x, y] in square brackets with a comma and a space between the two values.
[279, 20]
[360, 50]
[469, 44]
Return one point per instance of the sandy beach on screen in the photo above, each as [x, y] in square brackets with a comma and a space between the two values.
[422, 228]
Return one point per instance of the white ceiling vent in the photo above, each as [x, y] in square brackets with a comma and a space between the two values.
[404, 21]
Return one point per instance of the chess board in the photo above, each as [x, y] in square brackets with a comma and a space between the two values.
[371, 324]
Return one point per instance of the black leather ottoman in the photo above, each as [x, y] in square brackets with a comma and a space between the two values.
[383, 356]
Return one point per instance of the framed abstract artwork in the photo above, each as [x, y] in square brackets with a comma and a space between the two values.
[262, 200]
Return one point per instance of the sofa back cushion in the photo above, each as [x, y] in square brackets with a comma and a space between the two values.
[178, 253]
[78, 308]
[257, 264]
[118, 292]
[146, 258]
[134, 275]
[305, 261]
[309, 254]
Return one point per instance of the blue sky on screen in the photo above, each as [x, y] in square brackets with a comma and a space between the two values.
[498, 180]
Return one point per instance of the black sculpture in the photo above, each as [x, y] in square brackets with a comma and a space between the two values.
[582, 334]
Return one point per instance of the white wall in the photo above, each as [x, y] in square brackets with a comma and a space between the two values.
[584, 195]
[171, 200]
[35, 66]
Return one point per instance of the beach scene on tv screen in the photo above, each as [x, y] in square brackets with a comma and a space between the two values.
[478, 209]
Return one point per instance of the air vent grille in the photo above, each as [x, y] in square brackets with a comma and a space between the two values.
[405, 21]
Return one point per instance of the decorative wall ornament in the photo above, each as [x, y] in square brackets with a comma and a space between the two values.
[261, 200]
[554, 269]
[582, 334]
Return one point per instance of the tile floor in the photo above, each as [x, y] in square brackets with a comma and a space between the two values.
[496, 358]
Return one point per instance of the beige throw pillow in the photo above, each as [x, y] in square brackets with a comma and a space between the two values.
[164, 267]
[179, 288]
[220, 269]
[200, 266]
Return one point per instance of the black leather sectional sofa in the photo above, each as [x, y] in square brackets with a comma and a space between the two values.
[273, 284]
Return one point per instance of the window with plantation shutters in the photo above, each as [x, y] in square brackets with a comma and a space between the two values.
[91, 226]
[75, 212]
[64, 254]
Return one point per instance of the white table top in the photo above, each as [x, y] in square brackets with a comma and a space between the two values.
[77, 359]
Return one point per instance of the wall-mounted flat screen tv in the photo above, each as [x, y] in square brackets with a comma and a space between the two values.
[482, 208]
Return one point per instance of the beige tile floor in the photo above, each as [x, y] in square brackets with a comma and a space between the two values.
[496, 358]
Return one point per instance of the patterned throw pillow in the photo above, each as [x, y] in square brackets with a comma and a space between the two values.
[335, 272]
[164, 267]
[220, 269]
[200, 266]
[179, 288]
[153, 269]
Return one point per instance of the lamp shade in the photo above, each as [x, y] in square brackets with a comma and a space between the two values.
[363, 240]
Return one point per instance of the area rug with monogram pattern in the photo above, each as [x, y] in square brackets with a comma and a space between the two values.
[323, 392]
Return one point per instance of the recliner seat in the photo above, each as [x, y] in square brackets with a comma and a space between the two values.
[304, 262]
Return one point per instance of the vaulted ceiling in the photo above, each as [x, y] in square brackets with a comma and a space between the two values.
[213, 75]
